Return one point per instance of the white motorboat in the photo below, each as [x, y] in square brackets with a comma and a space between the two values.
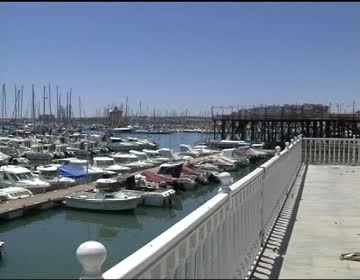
[117, 144]
[104, 198]
[240, 155]
[204, 150]
[16, 176]
[151, 192]
[11, 193]
[93, 172]
[122, 129]
[39, 152]
[131, 161]
[170, 154]
[49, 174]
[109, 164]
[187, 150]
[4, 159]
[223, 163]
[155, 156]
[2, 245]
[175, 171]
[225, 144]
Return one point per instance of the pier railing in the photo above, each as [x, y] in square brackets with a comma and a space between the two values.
[221, 238]
[341, 151]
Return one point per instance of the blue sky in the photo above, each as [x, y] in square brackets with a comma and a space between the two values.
[183, 55]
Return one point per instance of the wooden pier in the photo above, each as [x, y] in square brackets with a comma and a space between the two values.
[277, 124]
[16, 208]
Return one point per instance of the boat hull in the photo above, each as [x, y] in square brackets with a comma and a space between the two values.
[102, 204]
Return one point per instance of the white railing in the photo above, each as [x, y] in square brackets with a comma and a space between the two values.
[342, 151]
[221, 238]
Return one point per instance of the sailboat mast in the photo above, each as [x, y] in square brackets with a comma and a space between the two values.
[50, 104]
[33, 103]
[21, 102]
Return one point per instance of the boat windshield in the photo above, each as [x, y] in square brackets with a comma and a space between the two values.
[22, 176]
[20, 193]
[142, 157]
[105, 163]
[48, 173]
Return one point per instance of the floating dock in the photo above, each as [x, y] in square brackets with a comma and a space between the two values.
[17, 207]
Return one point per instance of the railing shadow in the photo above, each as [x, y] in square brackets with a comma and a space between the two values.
[271, 260]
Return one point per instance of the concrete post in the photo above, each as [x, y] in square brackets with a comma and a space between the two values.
[277, 149]
[91, 255]
[287, 145]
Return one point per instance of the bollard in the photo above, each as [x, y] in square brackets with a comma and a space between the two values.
[277, 149]
[91, 255]
[292, 141]
[226, 180]
[287, 145]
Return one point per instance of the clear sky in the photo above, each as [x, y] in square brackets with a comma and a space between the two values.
[183, 55]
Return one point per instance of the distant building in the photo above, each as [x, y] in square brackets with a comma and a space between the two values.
[115, 116]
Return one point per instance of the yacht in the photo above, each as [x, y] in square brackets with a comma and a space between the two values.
[106, 197]
[109, 164]
[16, 176]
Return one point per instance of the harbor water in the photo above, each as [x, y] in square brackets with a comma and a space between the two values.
[43, 244]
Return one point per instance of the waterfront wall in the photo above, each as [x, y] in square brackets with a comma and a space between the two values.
[221, 238]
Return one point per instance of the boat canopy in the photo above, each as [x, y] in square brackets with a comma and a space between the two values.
[126, 180]
[72, 172]
[171, 169]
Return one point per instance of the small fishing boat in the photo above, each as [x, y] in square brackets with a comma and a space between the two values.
[174, 170]
[106, 197]
[15, 193]
[240, 155]
[152, 193]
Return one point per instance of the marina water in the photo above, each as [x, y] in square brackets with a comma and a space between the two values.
[43, 244]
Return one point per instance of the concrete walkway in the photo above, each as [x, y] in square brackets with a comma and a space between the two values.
[327, 225]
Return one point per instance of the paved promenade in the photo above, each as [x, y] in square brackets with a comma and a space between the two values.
[320, 222]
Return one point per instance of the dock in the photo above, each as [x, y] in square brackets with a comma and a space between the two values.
[16, 208]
